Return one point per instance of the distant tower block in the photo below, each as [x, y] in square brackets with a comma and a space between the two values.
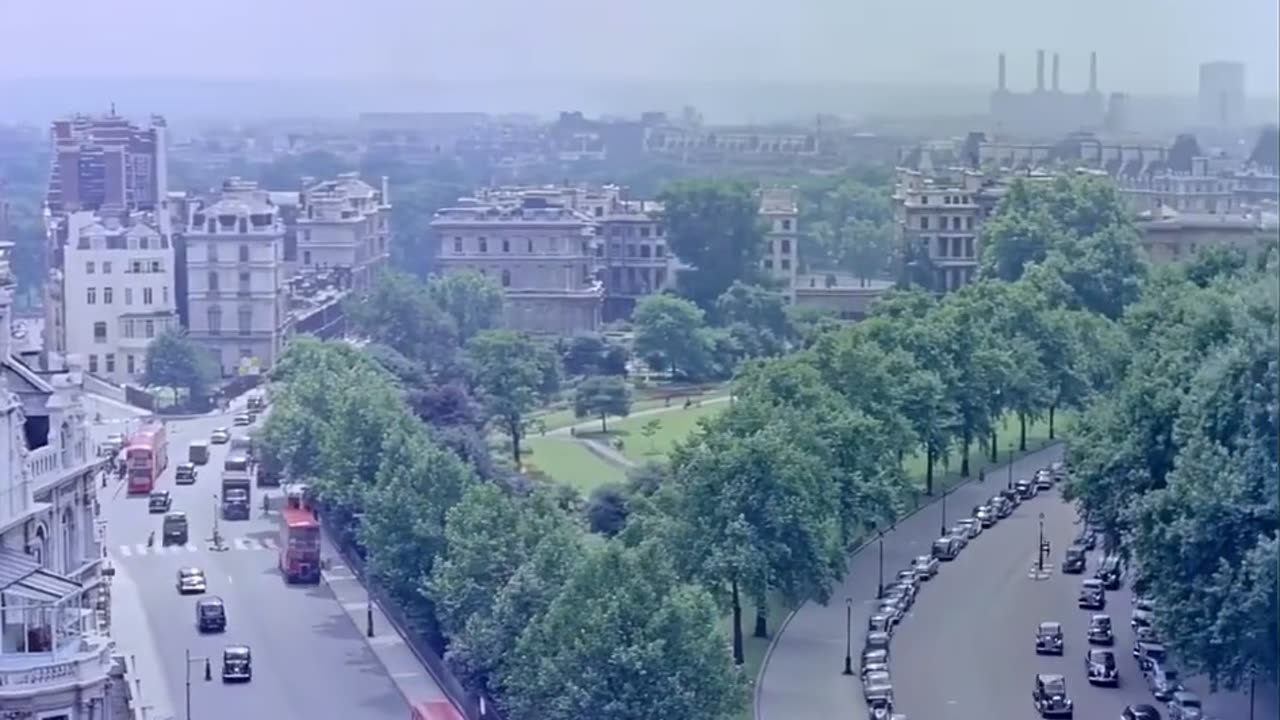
[1001, 85]
[1093, 72]
[1039, 71]
[1057, 87]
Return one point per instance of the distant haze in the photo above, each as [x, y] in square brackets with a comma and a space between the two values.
[551, 54]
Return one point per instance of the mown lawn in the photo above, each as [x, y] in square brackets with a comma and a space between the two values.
[568, 461]
[647, 398]
[673, 426]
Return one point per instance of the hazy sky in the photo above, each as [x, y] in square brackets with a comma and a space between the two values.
[1144, 46]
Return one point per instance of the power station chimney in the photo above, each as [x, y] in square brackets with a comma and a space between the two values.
[1056, 86]
[1039, 71]
[1093, 72]
[1001, 75]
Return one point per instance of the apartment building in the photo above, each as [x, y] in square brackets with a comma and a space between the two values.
[236, 282]
[1202, 190]
[941, 216]
[1171, 236]
[55, 649]
[541, 251]
[344, 223]
[119, 283]
[780, 211]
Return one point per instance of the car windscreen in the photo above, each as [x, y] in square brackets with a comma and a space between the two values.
[211, 610]
[237, 495]
[1055, 687]
[174, 523]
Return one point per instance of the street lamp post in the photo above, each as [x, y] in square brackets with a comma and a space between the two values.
[1009, 459]
[880, 584]
[368, 615]
[1040, 547]
[217, 537]
[943, 531]
[848, 636]
[208, 675]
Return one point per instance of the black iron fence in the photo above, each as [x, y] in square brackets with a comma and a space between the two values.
[467, 702]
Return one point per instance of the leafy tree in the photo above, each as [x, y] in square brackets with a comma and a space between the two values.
[669, 334]
[761, 309]
[649, 430]
[631, 641]
[510, 372]
[173, 361]
[607, 509]
[400, 314]
[471, 299]
[755, 512]
[714, 226]
[404, 520]
[582, 354]
[602, 396]
[446, 405]
[366, 409]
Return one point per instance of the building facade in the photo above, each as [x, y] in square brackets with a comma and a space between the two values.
[1046, 110]
[55, 649]
[541, 251]
[938, 220]
[236, 281]
[344, 223]
[119, 284]
[780, 213]
[1170, 236]
[1222, 100]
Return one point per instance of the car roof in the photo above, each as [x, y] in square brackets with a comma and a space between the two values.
[159, 493]
[878, 634]
[1100, 652]
[1091, 582]
[211, 600]
[1050, 625]
[190, 570]
[1050, 677]
[175, 515]
[236, 650]
[875, 652]
[1184, 695]
[1100, 616]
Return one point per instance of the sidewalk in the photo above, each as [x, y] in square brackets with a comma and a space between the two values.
[132, 633]
[391, 649]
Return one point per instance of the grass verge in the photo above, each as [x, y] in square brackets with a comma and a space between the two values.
[569, 462]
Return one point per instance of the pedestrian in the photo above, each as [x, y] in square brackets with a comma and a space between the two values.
[982, 475]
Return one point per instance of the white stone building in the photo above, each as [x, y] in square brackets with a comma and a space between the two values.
[236, 279]
[119, 289]
[344, 223]
[55, 653]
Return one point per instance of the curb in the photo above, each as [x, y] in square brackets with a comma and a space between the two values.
[773, 642]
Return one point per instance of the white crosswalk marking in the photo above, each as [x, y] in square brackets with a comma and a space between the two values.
[243, 543]
[126, 551]
[268, 543]
[240, 543]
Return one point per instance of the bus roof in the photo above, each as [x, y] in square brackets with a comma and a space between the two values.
[435, 710]
[299, 518]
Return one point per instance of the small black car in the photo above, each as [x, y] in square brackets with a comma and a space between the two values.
[1092, 595]
[211, 615]
[1012, 498]
[879, 701]
[880, 622]
[1050, 696]
[1100, 667]
[1074, 561]
[185, 474]
[1140, 712]
[1049, 640]
[173, 530]
[1025, 489]
[1100, 630]
[1109, 572]
[159, 502]
[237, 664]
[1147, 653]
[1088, 538]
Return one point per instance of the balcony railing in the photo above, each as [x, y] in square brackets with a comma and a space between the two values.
[79, 662]
[43, 464]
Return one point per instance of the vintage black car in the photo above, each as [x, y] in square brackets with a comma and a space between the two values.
[925, 566]
[1044, 480]
[1163, 681]
[237, 664]
[1050, 696]
[1088, 538]
[173, 529]
[899, 595]
[892, 608]
[908, 578]
[1012, 498]
[185, 474]
[159, 502]
[1002, 506]
[880, 622]
[946, 548]
[986, 516]
[235, 504]
[1109, 572]
[874, 656]
[1100, 667]
[1049, 639]
[1141, 711]
[1059, 471]
[1185, 705]
[1100, 631]
[1092, 595]
[1075, 560]
[878, 678]
[1025, 489]
[876, 640]
[211, 615]
[1147, 653]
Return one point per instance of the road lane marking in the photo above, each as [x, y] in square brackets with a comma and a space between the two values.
[405, 675]
[242, 543]
[192, 548]
[126, 551]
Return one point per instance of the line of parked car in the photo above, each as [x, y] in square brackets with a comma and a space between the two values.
[877, 688]
[1050, 693]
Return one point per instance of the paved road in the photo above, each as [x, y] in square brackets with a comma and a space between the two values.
[967, 649]
[310, 661]
[802, 679]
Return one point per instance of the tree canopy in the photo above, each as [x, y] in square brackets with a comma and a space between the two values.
[713, 226]
[173, 361]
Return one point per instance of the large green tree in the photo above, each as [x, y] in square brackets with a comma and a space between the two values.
[174, 362]
[625, 640]
[512, 375]
[670, 335]
[401, 314]
[714, 226]
[471, 299]
[601, 396]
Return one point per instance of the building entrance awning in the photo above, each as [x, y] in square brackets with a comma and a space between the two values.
[21, 575]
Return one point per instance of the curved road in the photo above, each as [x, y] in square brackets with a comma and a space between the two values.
[310, 660]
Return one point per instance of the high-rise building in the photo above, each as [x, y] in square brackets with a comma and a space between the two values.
[1222, 94]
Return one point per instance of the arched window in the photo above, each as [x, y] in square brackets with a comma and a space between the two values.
[69, 559]
[39, 549]
[506, 278]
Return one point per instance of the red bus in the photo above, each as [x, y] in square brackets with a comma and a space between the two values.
[435, 710]
[299, 545]
[146, 457]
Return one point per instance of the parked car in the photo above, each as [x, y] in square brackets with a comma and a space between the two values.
[1073, 562]
[881, 622]
[1148, 653]
[872, 657]
[946, 548]
[971, 526]
[986, 516]
[1163, 681]
[961, 535]
[1100, 631]
[1003, 506]
[1087, 538]
[908, 578]
[1109, 572]
[876, 640]
[173, 529]
[1025, 489]
[1141, 711]
[220, 436]
[1059, 471]
[925, 566]
[1185, 705]
[1049, 639]
[1092, 595]
[1050, 696]
[1044, 481]
[1100, 667]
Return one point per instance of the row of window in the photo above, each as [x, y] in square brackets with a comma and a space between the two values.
[482, 245]
[244, 318]
[108, 295]
[784, 265]
[643, 251]
[130, 327]
[627, 230]
[134, 266]
[244, 282]
[955, 247]
[956, 223]
[212, 252]
[786, 247]
[950, 199]
[120, 242]
[132, 363]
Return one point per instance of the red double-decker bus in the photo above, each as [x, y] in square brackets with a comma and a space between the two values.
[146, 457]
[299, 545]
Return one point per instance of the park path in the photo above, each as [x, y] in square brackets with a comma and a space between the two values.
[607, 452]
